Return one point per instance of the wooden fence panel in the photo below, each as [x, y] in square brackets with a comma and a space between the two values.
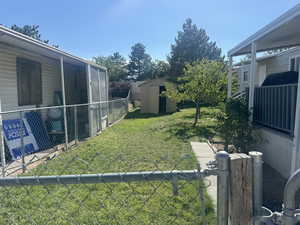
[241, 190]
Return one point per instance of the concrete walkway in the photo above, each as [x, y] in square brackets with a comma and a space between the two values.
[204, 155]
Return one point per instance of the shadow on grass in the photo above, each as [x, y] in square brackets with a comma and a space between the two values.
[136, 114]
[185, 131]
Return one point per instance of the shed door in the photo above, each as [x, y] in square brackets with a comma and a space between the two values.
[162, 100]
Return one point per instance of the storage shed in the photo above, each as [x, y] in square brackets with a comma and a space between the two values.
[151, 99]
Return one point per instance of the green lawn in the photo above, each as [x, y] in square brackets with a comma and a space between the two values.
[138, 143]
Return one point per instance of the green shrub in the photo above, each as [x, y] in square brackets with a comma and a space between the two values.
[235, 127]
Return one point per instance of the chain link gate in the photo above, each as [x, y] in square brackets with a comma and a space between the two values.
[98, 188]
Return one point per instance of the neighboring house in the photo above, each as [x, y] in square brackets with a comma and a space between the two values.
[287, 60]
[275, 108]
[152, 100]
[34, 74]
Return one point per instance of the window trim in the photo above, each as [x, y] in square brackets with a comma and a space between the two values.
[290, 59]
[243, 74]
[20, 59]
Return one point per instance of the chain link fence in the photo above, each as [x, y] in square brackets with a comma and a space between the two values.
[30, 136]
[87, 185]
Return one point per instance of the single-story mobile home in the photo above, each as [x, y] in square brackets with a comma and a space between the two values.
[274, 93]
[35, 75]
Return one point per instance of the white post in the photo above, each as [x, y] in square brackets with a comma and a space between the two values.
[63, 88]
[252, 78]
[107, 97]
[296, 140]
[89, 83]
[229, 81]
[100, 111]
[3, 161]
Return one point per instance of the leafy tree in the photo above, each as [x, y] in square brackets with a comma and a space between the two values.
[31, 31]
[204, 82]
[191, 44]
[140, 64]
[115, 64]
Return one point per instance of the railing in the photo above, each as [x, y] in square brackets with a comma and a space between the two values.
[29, 136]
[274, 107]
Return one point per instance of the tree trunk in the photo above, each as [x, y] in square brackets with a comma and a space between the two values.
[226, 147]
[197, 114]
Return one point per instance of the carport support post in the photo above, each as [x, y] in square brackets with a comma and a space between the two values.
[64, 100]
[3, 161]
[229, 81]
[252, 79]
[296, 144]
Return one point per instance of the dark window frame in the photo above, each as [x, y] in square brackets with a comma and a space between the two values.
[34, 96]
[245, 76]
[294, 63]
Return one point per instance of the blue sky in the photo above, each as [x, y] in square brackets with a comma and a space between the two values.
[100, 27]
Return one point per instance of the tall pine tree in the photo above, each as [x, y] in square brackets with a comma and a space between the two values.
[191, 44]
[139, 66]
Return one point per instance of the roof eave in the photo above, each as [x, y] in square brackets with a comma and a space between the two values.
[284, 18]
[33, 41]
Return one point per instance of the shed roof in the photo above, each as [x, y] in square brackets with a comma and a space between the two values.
[157, 81]
[16, 39]
[282, 32]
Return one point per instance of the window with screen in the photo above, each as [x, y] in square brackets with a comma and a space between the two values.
[29, 78]
[294, 63]
[245, 75]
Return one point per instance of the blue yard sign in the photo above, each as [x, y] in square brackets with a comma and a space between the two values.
[13, 130]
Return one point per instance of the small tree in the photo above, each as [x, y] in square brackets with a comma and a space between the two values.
[204, 82]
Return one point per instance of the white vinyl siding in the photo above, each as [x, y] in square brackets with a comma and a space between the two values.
[281, 63]
[8, 77]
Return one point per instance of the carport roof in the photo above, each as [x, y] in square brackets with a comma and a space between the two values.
[282, 32]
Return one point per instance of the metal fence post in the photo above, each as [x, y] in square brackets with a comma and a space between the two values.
[3, 161]
[76, 125]
[22, 132]
[112, 111]
[100, 113]
[257, 173]
[201, 194]
[222, 158]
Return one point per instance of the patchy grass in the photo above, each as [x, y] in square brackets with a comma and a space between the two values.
[138, 143]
